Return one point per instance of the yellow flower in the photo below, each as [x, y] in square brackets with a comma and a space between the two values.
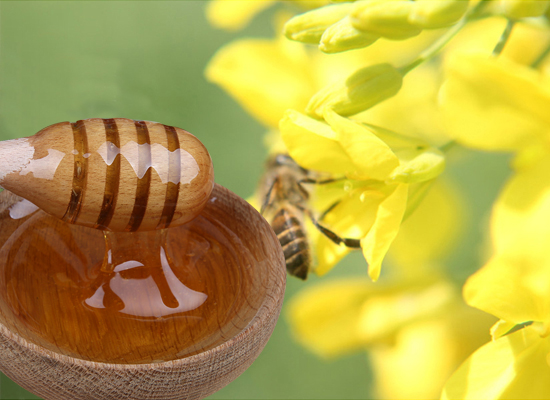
[425, 353]
[495, 104]
[270, 76]
[266, 76]
[414, 109]
[414, 326]
[514, 286]
[373, 207]
[515, 283]
[411, 328]
[512, 367]
[501, 105]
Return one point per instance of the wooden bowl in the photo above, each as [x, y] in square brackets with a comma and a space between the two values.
[52, 375]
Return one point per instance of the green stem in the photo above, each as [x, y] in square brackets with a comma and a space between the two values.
[417, 193]
[504, 38]
[447, 146]
[541, 57]
[436, 47]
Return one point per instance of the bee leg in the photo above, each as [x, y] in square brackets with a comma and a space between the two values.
[351, 243]
[320, 182]
[268, 197]
[322, 216]
[305, 192]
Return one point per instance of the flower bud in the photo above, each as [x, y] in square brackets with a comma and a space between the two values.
[309, 27]
[430, 14]
[386, 18]
[342, 36]
[516, 9]
[363, 89]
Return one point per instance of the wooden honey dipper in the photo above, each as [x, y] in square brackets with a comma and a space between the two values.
[99, 173]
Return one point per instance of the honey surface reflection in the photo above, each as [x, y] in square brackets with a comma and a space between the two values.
[143, 297]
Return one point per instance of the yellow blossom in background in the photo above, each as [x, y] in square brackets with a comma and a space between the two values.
[512, 367]
[414, 326]
[269, 76]
[414, 110]
[499, 104]
[412, 330]
[425, 353]
[527, 42]
[495, 104]
[515, 287]
[266, 76]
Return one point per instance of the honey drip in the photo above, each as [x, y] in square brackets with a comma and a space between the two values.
[123, 297]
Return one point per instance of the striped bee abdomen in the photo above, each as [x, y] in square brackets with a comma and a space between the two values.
[115, 174]
[291, 234]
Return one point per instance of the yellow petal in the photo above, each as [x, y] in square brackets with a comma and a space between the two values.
[381, 316]
[413, 111]
[516, 9]
[437, 14]
[309, 27]
[494, 104]
[526, 43]
[512, 367]
[512, 289]
[389, 215]
[433, 346]
[431, 231]
[342, 36]
[313, 144]
[501, 328]
[418, 164]
[234, 14]
[373, 159]
[352, 218]
[515, 284]
[266, 77]
[525, 201]
[323, 318]
[385, 18]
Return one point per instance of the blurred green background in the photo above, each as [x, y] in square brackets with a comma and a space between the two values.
[64, 61]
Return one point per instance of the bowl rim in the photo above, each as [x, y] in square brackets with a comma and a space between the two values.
[273, 297]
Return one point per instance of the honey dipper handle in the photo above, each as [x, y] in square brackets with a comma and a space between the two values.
[15, 154]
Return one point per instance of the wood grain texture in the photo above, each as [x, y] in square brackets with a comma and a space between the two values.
[115, 174]
[55, 376]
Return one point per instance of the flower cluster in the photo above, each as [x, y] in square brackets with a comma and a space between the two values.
[390, 88]
[308, 98]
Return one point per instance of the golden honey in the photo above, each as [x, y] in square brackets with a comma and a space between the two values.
[134, 297]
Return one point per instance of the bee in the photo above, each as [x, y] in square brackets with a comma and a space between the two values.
[285, 205]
